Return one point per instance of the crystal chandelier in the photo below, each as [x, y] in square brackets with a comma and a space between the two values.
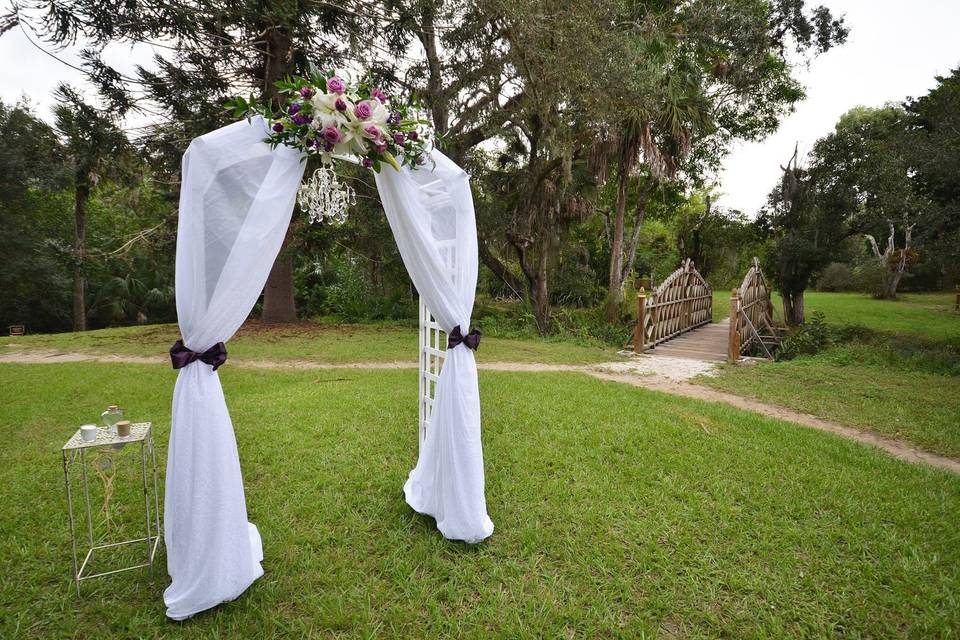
[324, 198]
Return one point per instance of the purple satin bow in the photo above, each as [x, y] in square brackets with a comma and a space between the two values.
[181, 356]
[456, 337]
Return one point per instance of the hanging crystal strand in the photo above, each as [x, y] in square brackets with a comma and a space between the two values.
[324, 198]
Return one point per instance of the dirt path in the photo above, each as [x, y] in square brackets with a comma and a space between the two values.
[666, 375]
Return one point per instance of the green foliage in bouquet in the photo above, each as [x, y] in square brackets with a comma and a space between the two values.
[325, 115]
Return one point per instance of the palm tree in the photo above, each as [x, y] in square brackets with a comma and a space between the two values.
[658, 140]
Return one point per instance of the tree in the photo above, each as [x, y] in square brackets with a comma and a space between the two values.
[720, 72]
[865, 156]
[803, 226]
[34, 191]
[932, 150]
[94, 146]
[213, 50]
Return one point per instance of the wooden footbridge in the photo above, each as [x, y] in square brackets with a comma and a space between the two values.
[676, 319]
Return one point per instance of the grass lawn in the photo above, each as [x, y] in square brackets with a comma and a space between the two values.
[904, 382]
[619, 513]
[328, 343]
[929, 315]
[850, 385]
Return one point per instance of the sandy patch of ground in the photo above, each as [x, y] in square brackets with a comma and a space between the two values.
[666, 367]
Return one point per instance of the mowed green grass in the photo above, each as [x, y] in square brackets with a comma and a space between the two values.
[619, 513]
[851, 385]
[902, 383]
[312, 341]
[929, 315]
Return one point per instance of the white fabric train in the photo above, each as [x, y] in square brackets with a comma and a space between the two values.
[236, 199]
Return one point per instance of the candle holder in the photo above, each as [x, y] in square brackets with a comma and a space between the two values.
[76, 452]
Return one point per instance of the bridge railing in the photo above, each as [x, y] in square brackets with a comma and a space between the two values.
[682, 302]
[751, 316]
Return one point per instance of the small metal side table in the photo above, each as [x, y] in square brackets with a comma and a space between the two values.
[75, 451]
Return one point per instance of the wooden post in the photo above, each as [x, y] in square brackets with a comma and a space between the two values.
[638, 337]
[733, 350]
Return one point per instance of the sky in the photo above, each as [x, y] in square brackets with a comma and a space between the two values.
[895, 50]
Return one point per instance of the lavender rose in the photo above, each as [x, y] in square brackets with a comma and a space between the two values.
[380, 146]
[336, 85]
[332, 135]
[306, 92]
[379, 95]
[367, 163]
[412, 136]
[363, 110]
[398, 138]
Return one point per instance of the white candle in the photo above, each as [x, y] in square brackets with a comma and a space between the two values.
[88, 432]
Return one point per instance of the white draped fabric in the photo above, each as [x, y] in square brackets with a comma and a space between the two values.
[430, 211]
[236, 199]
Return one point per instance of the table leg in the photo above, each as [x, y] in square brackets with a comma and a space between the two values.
[73, 532]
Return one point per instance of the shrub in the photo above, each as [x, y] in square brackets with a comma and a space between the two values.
[813, 337]
[836, 276]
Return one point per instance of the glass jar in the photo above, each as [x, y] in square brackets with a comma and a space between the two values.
[111, 417]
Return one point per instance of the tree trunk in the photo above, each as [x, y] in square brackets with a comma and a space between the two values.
[539, 292]
[81, 194]
[615, 280]
[892, 273]
[499, 269]
[278, 300]
[793, 307]
[279, 304]
[640, 213]
[428, 38]
[537, 281]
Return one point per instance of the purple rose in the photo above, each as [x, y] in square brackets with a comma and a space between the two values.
[379, 95]
[372, 131]
[278, 127]
[340, 104]
[367, 163]
[336, 85]
[413, 135]
[398, 138]
[294, 108]
[363, 110]
[306, 92]
[332, 135]
[395, 118]
[301, 119]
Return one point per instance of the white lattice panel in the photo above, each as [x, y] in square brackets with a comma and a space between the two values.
[433, 346]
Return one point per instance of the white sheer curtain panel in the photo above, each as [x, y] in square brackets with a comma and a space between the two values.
[428, 208]
[236, 199]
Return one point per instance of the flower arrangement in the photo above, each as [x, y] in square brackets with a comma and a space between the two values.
[326, 115]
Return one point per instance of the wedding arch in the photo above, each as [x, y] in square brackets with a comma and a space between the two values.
[237, 198]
